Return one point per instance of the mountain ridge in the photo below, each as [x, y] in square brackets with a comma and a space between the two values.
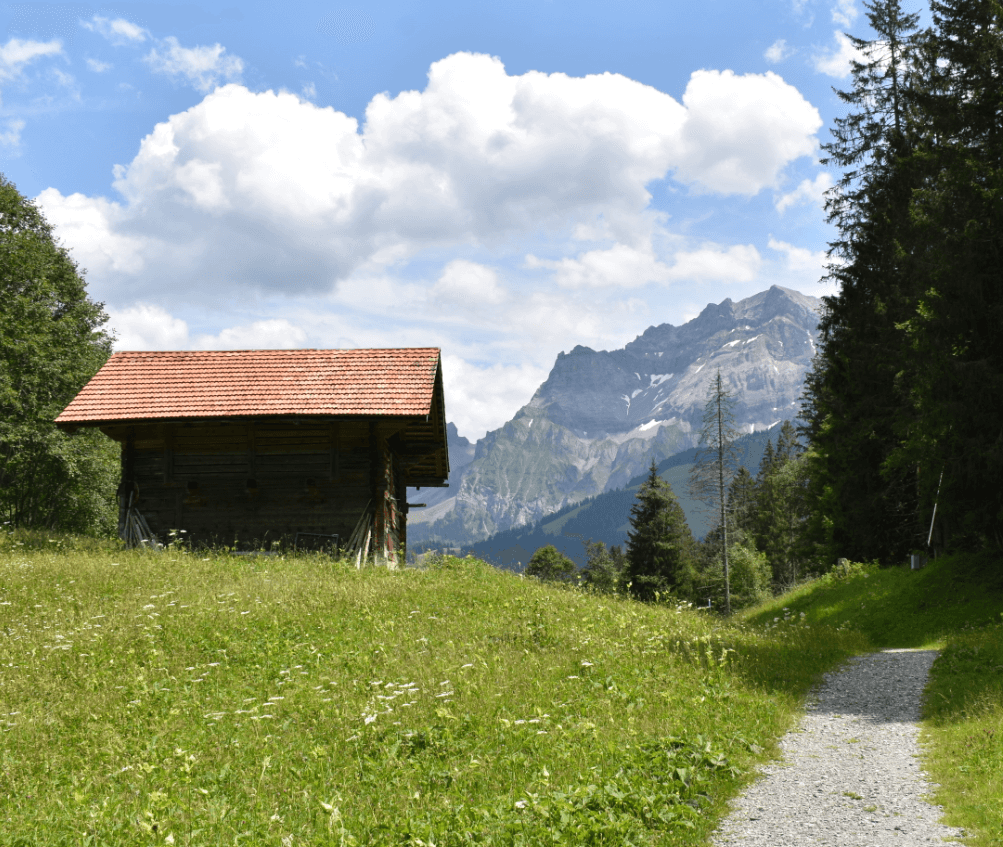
[606, 516]
[601, 417]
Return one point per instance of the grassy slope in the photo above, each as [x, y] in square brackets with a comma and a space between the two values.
[214, 700]
[207, 700]
[954, 604]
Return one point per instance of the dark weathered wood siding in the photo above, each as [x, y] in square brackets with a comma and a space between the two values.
[256, 483]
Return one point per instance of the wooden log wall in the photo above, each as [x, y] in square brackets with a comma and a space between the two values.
[254, 485]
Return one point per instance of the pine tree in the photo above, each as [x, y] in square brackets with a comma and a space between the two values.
[715, 464]
[766, 463]
[956, 338]
[904, 393]
[604, 567]
[856, 404]
[659, 542]
[782, 510]
[742, 501]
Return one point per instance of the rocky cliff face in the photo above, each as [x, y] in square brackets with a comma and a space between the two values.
[602, 416]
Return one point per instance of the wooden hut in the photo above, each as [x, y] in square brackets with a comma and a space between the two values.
[254, 448]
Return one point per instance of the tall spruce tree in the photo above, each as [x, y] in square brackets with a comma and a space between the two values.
[715, 463]
[742, 500]
[659, 542]
[956, 365]
[604, 567]
[856, 405]
[781, 511]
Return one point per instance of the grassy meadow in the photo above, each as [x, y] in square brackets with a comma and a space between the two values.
[213, 699]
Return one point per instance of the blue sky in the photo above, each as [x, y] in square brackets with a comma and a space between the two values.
[504, 181]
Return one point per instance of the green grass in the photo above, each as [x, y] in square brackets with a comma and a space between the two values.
[898, 607]
[964, 720]
[210, 700]
[954, 604]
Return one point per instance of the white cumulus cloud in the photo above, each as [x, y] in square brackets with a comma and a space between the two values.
[273, 334]
[742, 131]
[809, 191]
[203, 67]
[267, 191]
[146, 327]
[625, 266]
[738, 263]
[117, 30]
[844, 12]
[777, 51]
[836, 62]
[465, 282]
[92, 227]
[621, 265]
[475, 391]
[10, 134]
[800, 258]
[17, 53]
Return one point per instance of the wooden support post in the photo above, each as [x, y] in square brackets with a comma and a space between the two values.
[125, 488]
[375, 492]
[400, 491]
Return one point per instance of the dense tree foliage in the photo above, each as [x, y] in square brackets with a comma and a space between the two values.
[51, 343]
[604, 567]
[782, 516]
[551, 565]
[902, 410]
[857, 405]
[955, 335]
[660, 546]
[769, 528]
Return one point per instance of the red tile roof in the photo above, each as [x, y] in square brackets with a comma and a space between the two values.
[140, 386]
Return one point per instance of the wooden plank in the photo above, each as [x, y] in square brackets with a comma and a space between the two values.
[190, 462]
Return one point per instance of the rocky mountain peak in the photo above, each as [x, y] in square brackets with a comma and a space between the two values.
[762, 345]
[601, 416]
[779, 302]
[716, 316]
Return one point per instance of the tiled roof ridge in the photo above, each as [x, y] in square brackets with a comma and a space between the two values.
[183, 383]
[150, 353]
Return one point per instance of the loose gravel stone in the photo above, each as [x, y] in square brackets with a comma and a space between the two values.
[851, 775]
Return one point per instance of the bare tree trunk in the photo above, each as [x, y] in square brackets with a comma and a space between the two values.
[720, 494]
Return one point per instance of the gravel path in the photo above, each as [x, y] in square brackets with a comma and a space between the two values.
[850, 775]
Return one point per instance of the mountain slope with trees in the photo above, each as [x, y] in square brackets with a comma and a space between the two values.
[605, 518]
[601, 417]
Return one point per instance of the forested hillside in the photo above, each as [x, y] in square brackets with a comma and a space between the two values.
[606, 517]
[902, 406]
[602, 416]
